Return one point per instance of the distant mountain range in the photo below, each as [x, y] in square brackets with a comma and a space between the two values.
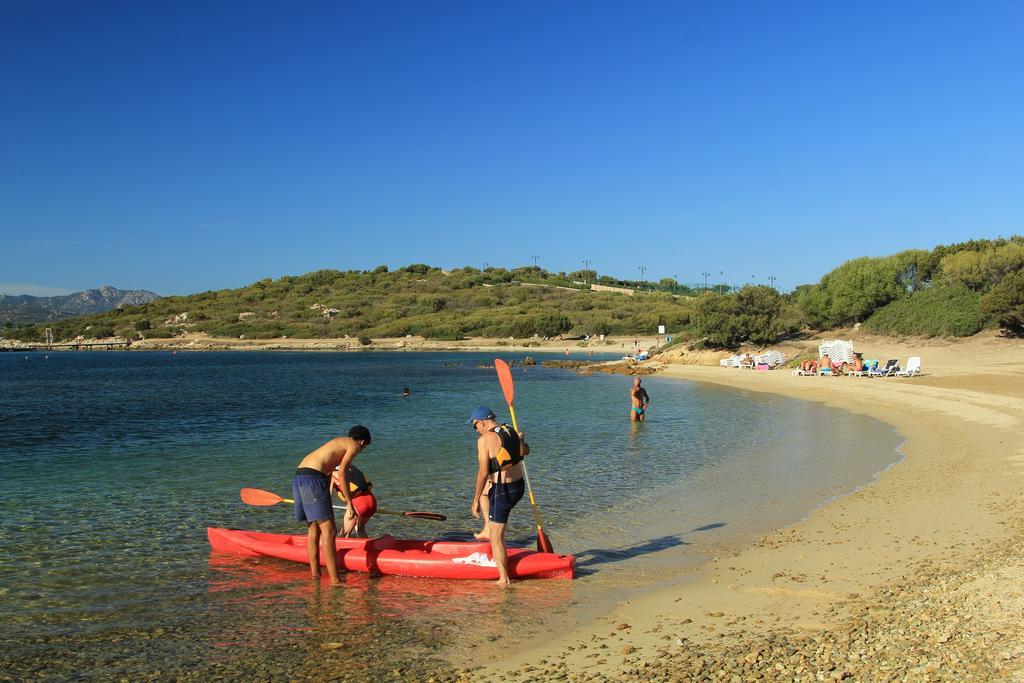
[36, 309]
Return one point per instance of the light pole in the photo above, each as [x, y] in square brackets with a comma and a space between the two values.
[535, 259]
[586, 267]
[486, 265]
[721, 275]
[706, 276]
[675, 283]
[771, 280]
[642, 269]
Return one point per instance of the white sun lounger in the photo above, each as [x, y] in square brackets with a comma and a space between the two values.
[913, 368]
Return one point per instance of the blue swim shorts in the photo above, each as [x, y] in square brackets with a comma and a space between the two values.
[311, 490]
[502, 498]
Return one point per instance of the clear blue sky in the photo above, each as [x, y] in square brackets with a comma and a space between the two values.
[180, 147]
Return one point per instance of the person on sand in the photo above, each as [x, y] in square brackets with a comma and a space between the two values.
[363, 502]
[809, 365]
[857, 365]
[311, 490]
[499, 452]
[638, 402]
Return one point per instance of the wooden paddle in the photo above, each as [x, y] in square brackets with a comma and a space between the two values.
[266, 498]
[507, 388]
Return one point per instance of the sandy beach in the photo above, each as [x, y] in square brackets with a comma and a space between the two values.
[914, 577]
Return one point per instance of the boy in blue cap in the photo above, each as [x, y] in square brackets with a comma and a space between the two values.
[500, 450]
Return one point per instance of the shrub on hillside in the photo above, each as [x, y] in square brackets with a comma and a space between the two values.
[859, 287]
[980, 270]
[1004, 305]
[951, 311]
[728, 320]
[442, 332]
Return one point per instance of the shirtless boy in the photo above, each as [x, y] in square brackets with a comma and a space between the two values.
[311, 489]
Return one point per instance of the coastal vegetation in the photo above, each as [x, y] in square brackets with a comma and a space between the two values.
[416, 300]
[954, 290]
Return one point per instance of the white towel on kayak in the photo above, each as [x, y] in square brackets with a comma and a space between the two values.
[478, 559]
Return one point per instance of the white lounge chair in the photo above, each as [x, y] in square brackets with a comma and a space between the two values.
[869, 366]
[913, 368]
[890, 367]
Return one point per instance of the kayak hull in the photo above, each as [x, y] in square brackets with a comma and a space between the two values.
[388, 555]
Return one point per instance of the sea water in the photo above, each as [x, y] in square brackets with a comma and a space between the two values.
[113, 464]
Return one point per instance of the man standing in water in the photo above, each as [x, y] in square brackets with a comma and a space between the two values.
[499, 452]
[638, 400]
[311, 489]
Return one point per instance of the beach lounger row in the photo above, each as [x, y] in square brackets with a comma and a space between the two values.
[871, 369]
[772, 359]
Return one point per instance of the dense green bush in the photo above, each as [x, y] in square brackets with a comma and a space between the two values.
[1004, 304]
[915, 292]
[935, 312]
[750, 315]
[981, 270]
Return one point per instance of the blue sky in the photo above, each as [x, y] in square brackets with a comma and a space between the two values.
[181, 147]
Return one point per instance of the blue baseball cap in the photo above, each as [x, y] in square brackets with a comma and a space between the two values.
[480, 413]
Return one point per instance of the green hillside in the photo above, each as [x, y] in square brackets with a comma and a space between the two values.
[417, 300]
[954, 290]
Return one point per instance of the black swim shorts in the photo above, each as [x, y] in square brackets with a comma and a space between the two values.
[503, 497]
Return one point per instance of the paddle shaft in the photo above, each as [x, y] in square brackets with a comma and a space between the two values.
[342, 507]
[526, 476]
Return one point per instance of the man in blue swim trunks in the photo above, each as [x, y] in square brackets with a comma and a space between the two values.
[499, 452]
[311, 489]
[638, 401]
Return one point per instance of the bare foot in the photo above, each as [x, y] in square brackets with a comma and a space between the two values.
[335, 583]
[315, 577]
[503, 583]
[482, 536]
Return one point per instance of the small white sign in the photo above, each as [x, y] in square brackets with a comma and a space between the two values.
[661, 329]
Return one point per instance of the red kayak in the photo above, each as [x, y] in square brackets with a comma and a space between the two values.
[388, 555]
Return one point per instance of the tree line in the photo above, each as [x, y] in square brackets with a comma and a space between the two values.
[954, 290]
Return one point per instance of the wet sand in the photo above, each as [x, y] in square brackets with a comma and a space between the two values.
[915, 577]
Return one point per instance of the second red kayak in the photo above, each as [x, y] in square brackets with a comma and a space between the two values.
[388, 555]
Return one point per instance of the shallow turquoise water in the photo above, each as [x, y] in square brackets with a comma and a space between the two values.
[113, 464]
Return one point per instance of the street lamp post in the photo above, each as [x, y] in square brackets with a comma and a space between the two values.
[535, 259]
[675, 283]
[706, 276]
[642, 269]
[586, 267]
[771, 280]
